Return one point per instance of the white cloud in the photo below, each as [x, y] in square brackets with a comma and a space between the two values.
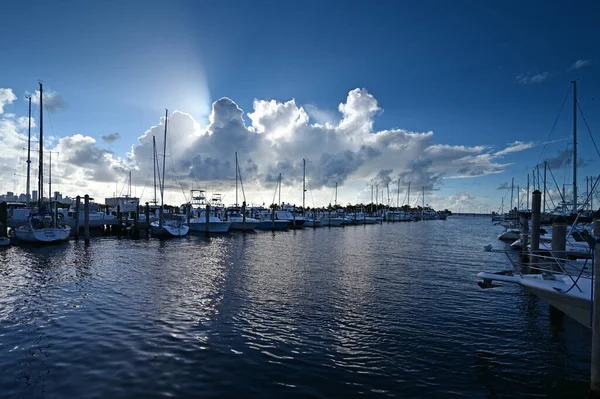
[529, 78]
[280, 134]
[516, 147]
[6, 97]
[579, 64]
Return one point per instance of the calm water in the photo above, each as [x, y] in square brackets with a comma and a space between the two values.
[379, 310]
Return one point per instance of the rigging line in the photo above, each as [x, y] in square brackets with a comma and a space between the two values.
[554, 124]
[556, 184]
[241, 182]
[588, 128]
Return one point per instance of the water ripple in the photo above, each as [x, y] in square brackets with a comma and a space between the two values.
[377, 310]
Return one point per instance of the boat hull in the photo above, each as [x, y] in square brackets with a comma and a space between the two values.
[169, 231]
[333, 222]
[43, 236]
[313, 223]
[272, 225]
[213, 227]
[240, 226]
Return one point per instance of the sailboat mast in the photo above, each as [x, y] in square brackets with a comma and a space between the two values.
[409, 194]
[335, 200]
[236, 179]
[303, 183]
[280, 189]
[512, 190]
[41, 150]
[154, 165]
[162, 191]
[50, 178]
[423, 199]
[129, 184]
[527, 192]
[544, 200]
[28, 193]
[398, 195]
[574, 146]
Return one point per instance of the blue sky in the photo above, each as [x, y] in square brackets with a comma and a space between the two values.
[449, 67]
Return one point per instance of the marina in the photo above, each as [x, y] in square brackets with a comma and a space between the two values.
[299, 200]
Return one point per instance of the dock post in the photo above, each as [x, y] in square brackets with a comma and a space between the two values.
[559, 239]
[86, 220]
[206, 231]
[595, 369]
[119, 218]
[136, 222]
[273, 218]
[189, 215]
[3, 219]
[147, 214]
[294, 218]
[314, 219]
[536, 213]
[524, 230]
[77, 209]
[244, 216]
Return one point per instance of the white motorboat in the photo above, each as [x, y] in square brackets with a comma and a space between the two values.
[510, 235]
[170, 228]
[238, 223]
[335, 221]
[313, 223]
[42, 228]
[215, 224]
[294, 221]
[566, 293]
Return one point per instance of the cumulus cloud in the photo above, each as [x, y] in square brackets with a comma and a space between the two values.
[53, 101]
[503, 186]
[579, 64]
[529, 78]
[6, 97]
[111, 137]
[346, 150]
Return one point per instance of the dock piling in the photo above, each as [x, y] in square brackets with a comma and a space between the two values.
[244, 216]
[147, 214]
[294, 218]
[524, 230]
[86, 220]
[536, 209]
[206, 231]
[559, 239]
[77, 210]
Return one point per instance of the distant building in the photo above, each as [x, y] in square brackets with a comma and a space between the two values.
[57, 196]
[34, 195]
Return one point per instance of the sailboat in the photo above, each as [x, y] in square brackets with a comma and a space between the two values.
[42, 227]
[237, 216]
[167, 227]
[570, 289]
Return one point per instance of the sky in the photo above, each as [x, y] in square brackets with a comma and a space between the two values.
[454, 97]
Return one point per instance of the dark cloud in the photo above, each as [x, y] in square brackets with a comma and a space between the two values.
[561, 159]
[111, 137]
[503, 186]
